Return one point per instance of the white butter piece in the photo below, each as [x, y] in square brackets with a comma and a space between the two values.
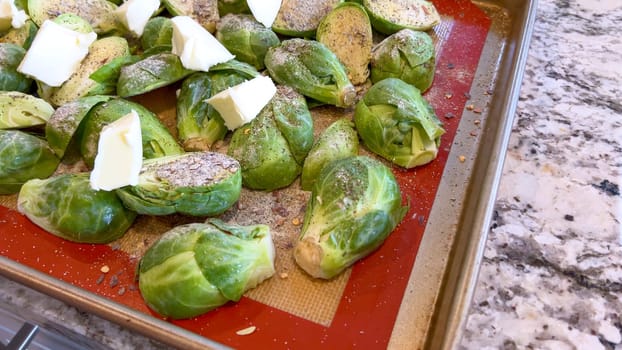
[11, 16]
[240, 104]
[119, 154]
[264, 11]
[55, 53]
[134, 14]
[195, 46]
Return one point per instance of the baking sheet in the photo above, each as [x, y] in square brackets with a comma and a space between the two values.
[411, 293]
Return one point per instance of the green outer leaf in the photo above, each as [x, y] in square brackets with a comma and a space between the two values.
[388, 119]
[158, 32]
[294, 121]
[150, 73]
[65, 122]
[195, 268]
[23, 157]
[22, 36]
[312, 69]
[157, 193]
[67, 206]
[10, 79]
[232, 6]
[157, 140]
[21, 110]
[246, 38]
[354, 206]
[338, 141]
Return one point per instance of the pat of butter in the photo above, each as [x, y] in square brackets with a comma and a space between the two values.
[264, 11]
[11, 16]
[195, 46]
[55, 53]
[134, 14]
[119, 154]
[241, 103]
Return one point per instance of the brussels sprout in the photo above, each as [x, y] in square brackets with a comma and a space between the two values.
[158, 33]
[67, 206]
[272, 147]
[397, 123]
[354, 206]
[199, 125]
[407, 55]
[10, 79]
[338, 141]
[20, 110]
[246, 38]
[300, 18]
[101, 52]
[194, 183]
[195, 268]
[65, 121]
[390, 16]
[22, 36]
[232, 6]
[157, 140]
[150, 73]
[347, 32]
[203, 11]
[99, 13]
[312, 69]
[23, 157]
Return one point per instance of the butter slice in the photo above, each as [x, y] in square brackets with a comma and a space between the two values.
[119, 154]
[264, 11]
[11, 16]
[195, 46]
[55, 53]
[134, 14]
[241, 103]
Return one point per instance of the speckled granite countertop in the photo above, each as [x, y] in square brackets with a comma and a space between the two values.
[551, 277]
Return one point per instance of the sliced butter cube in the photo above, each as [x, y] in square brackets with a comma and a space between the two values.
[11, 16]
[119, 154]
[134, 14]
[240, 104]
[55, 53]
[264, 11]
[195, 46]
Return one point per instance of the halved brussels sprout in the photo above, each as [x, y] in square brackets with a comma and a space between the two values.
[246, 38]
[157, 140]
[194, 183]
[397, 123]
[300, 18]
[150, 73]
[65, 122]
[99, 13]
[347, 32]
[101, 52]
[199, 125]
[23, 157]
[272, 147]
[354, 206]
[338, 140]
[10, 79]
[195, 268]
[312, 69]
[407, 55]
[390, 16]
[203, 11]
[20, 110]
[66, 206]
